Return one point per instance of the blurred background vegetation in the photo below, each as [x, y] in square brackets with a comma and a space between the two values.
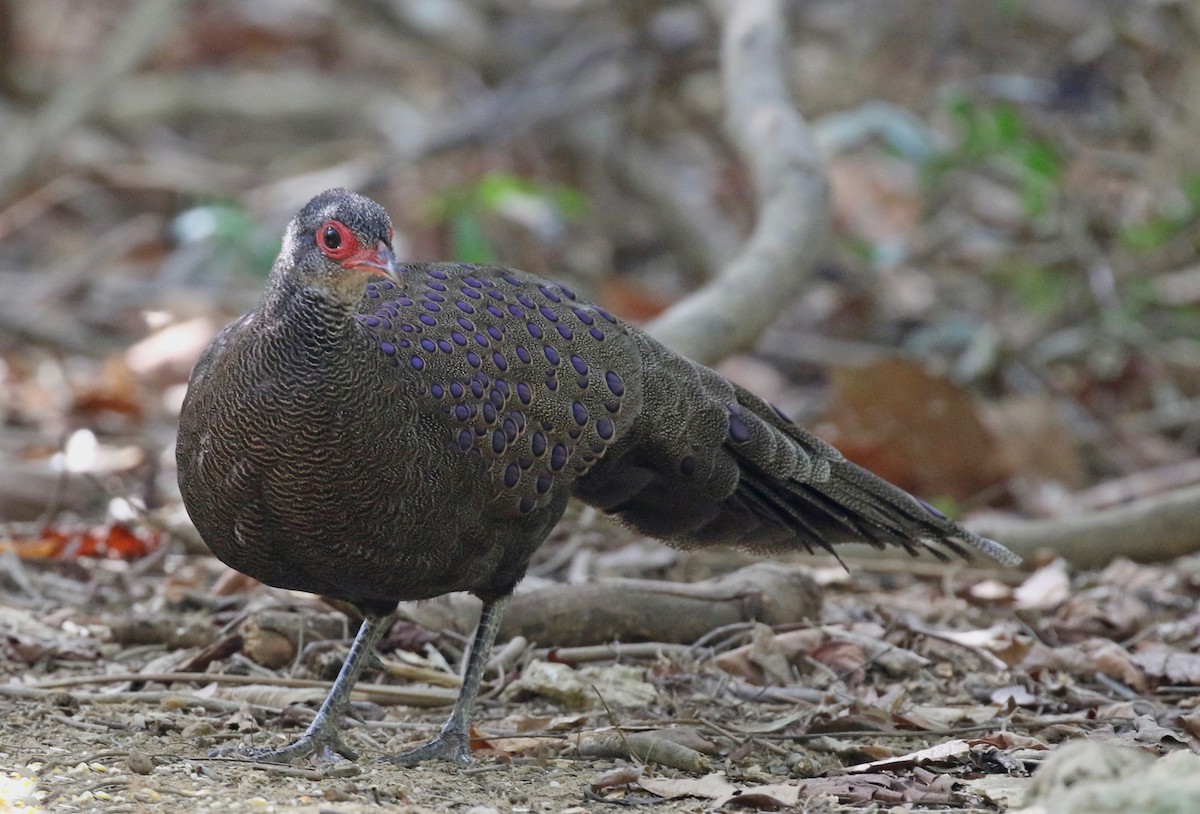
[1006, 314]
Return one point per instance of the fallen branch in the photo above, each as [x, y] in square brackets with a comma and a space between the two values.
[637, 610]
[794, 213]
[379, 693]
[1153, 529]
[648, 747]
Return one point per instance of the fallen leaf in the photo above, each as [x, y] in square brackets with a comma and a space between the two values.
[773, 795]
[618, 685]
[1152, 732]
[1115, 662]
[990, 590]
[942, 753]
[942, 717]
[632, 300]
[113, 541]
[842, 657]
[1002, 641]
[548, 723]
[770, 654]
[116, 390]
[710, 787]
[172, 351]
[1046, 588]
[1172, 666]
[1108, 611]
[910, 426]
[620, 776]
[515, 746]
[1013, 694]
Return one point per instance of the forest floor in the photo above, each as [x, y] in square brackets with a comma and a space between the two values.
[916, 686]
[1004, 319]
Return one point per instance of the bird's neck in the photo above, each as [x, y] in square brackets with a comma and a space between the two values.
[307, 315]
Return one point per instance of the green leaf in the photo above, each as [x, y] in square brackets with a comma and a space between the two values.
[468, 242]
[493, 188]
[1191, 191]
[1041, 289]
[1042, 160]
[571, 202]
[1151, 234]
[1006, 126]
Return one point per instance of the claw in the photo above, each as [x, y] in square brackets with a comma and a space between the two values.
[321, 738]
[451, 746]
[324, 746]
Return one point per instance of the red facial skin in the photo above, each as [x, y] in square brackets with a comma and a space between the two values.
[337, 242]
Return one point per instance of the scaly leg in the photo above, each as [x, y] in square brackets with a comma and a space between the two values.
[452, 742]
[321, 738]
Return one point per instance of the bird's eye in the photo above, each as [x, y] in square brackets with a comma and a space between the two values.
[335, 240]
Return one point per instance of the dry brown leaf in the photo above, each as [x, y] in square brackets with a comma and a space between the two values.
[113, 541]
[842, 657]
[1046, 588]
[1115, 662]
[947, 752]
[515, 746]
[882, 789]
[874, 196]
[632, 300]
[911, 427]
[1120, 710]
[1148, 730]
[936, 718]
[768, 655]
[549, 723]
[116, 390]
[620, 776]
[170, 352]
[710, 787]
[774, 650]
[1003, 641]
[1190, 723]
[773, 795]
[261, 695]
[1108, 611]
[1172, 666]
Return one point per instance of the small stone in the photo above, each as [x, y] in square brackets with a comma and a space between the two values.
[139, 762]
[198, 729]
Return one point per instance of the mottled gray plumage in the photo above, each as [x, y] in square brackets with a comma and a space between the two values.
[379, 437]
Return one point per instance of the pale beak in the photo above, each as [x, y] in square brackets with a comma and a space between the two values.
[382, 258]
[386, 259]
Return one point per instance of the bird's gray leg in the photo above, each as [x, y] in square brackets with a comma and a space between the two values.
[452, 742]
[321, 738]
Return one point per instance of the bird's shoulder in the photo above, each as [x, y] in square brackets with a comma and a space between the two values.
[506, 366]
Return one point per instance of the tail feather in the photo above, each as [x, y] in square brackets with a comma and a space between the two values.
[710, 463]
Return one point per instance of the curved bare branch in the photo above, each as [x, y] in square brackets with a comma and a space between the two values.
[794, 214]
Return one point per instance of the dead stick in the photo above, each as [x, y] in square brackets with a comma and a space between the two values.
[376, 692]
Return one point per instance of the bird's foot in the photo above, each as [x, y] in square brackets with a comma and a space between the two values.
[325, 746]
[449, 745]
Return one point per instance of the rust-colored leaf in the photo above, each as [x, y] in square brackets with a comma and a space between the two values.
[914, 428]
[114, 541]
